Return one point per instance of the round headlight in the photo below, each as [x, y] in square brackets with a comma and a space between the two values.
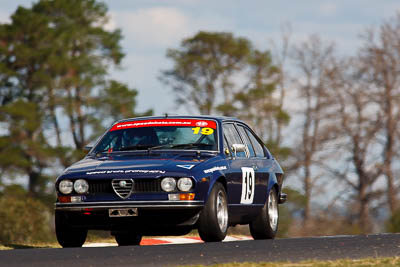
[168, 184]
[65, 186]
[185, 184]
[81, 186]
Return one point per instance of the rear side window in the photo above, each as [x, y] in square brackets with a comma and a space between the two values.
[258, 148]
[247, 141]
[233, 137]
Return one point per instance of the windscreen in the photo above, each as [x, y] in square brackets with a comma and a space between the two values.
[160, 134]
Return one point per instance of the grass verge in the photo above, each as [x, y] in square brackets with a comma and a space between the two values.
[24, 246]
[381, 262]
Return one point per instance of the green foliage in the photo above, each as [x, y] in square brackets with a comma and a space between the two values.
[83, 52]
[393, 223]
[57, 53]
[218, 73]
[290, 210]
[204, 67]
[282, 152]
[296, 199]
[54, 62]
[285, 220]
[117, 101]
[24, 149]
[23, 219]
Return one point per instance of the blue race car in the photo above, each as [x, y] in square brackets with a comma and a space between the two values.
[167, 176]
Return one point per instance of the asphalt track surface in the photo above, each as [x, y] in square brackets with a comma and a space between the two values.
[290, 249]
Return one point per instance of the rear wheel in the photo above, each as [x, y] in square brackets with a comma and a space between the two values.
[213, 221]
[127, 238]
[265, 226]
[67, 236]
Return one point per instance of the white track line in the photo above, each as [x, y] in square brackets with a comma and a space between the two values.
[97, 245]
[178, 240]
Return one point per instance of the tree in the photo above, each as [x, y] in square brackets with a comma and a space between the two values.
[380, 59]
[23, 145]
[360, 122]
[256, 104]
[340, 123]
[116, 102]
[316, 67]
[24, 149]
[82, 54]
[280, 55]
[217, 73]
[204, 68]
[54, 62]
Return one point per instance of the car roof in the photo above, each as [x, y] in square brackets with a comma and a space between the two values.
[166, 116]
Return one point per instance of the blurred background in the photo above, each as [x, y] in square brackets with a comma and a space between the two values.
[319, 82]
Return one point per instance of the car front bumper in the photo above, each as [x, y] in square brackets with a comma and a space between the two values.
[82, 206]
[151, 217]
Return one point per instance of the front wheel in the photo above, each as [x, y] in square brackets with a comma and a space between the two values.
[265, 226]
[127, 238]
[213, 221]
[68, 237]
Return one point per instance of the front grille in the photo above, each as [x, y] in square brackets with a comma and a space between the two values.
[100, 187]
[147, 185]
[123, 187]
[141, 185]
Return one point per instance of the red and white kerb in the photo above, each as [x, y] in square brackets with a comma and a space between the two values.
[164, 122]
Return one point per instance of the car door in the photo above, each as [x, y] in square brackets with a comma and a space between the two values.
[236, 162]
[264, 163]
[240, 178]
[260, 180]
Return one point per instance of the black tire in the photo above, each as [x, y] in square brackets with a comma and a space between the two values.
[127, 238]
[212, 229]
[67, 236]
[264, 227]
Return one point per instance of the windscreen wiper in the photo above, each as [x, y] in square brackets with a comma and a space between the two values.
[127, 148]
[98, 153]
[188, 145]
[136, 147]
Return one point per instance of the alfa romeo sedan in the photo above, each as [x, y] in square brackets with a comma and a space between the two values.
[167, 176]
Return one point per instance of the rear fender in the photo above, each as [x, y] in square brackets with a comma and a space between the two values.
[273, 183]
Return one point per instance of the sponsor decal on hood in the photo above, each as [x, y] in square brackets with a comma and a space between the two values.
[217, 168]
[125, 171]
[186, 166]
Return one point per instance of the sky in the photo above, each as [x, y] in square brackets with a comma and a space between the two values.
[150, 27]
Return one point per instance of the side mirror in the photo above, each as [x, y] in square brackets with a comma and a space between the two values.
[88, 147]
[91, 144]
[238, 148]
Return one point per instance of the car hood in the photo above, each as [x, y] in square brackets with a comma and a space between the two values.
[137, 164]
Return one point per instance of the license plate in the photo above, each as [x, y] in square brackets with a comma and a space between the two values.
[123, 212]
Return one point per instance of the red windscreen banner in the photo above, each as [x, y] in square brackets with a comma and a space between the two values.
[164, 122]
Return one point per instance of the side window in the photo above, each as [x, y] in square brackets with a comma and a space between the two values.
[246, 140]
[233, 137]
[110, 141]
[258, 148]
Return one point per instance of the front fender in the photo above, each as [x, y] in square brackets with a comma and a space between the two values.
[218, 176]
